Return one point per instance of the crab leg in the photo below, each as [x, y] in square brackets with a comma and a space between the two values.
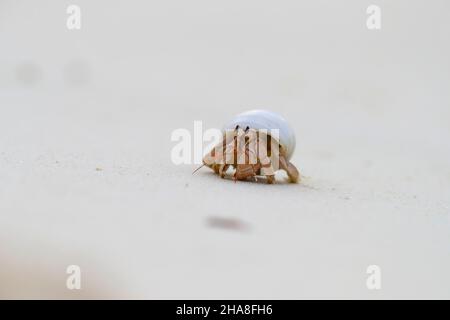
[291, 170]
[223, 169]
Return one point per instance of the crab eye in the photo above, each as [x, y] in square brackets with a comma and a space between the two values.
[246, 129]
[237, 127]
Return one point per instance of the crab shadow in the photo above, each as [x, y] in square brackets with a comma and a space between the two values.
[281, 180]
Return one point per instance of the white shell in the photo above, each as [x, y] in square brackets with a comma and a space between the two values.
[263, 119]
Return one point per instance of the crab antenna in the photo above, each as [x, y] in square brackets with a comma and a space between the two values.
[198, 169]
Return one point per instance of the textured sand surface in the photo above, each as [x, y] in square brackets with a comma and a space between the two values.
[86, 176]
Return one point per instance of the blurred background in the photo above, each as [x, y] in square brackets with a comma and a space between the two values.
[86, 176]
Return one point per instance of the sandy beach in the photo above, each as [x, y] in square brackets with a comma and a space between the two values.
[86, 176]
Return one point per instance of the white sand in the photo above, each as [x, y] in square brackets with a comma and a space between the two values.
[86, 176]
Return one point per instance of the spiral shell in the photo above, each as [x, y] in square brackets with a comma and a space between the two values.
[264, 119]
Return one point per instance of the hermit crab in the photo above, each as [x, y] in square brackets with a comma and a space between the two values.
[255, 144]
